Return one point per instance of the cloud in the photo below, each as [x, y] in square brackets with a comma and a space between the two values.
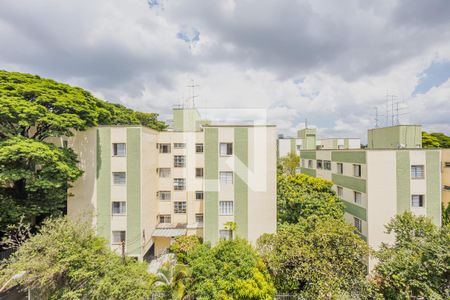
[330, 62]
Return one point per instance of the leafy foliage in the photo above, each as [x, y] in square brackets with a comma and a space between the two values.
[418, 264]
[182, 245]
[300, 196]
[230, 270]
[435, 140]
[317, 259]
[34, 174]
[289, 163]
[446, 214]
[171, 279]
[66, 260]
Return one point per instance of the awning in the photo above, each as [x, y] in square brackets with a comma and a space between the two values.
[168, 232]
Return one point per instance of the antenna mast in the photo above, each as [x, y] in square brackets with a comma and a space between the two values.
[193, 86]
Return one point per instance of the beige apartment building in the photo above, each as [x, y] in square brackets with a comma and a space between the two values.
[142, 188]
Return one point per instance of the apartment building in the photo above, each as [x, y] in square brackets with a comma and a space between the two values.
[142, 188]
[392, 175]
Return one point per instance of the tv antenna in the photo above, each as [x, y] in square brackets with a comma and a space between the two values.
[193, 86]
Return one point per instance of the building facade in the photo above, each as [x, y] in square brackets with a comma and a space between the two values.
[392, 175]
[143, 188]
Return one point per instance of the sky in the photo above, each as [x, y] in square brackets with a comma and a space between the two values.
[334, 63]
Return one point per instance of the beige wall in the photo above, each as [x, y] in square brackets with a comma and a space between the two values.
[382, 197]
[83, 202]
[262, 205]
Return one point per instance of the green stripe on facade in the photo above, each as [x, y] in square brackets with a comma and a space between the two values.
[357, 157]
[211, 215]
[308, 154]
[355, 210]
[240, 181]
[104, 178]
[433, 197]
[403, 181]
[356, 184]
[133, 191]
[310, 172]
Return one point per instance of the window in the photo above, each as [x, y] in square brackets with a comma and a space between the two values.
[358, 224]
[340, 191]
[164, 148]
[199, 218]
[340, 147]
[319, 164]
[199, 195]
[164, 172]
[65, 144]
[447, 164]
[164, 195]
[357, 170]
[299, 148]
[224, 234]
[340, 168]
[119, 149]
[179, 184]
[178, 161]
[119, 207]
[164, 219]
[417, 172]
[226, 177]
[198, 172]
[118, 237]
[417, 201]
[226, 208]
[179, 207]
[303, 163]
[226, 149]
[198, 148]
[179, 145]
[327, 165]
[357, 197]
[119, 178]
[310, 163]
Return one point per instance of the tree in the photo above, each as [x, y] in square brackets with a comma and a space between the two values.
[289, 163]
[418, 263]
[231, 227]
[446, 214]
[300, 196]
[317, 259]
[172, 277]
[66, 260]
[230, 270]
[435, 140]
[183, 245]
[429, 141]
[34, 174]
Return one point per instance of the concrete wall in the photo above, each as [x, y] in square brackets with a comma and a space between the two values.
[445, 168]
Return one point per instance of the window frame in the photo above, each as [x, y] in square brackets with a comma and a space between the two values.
[310, 163]
[122, 204]
[119, 183]
[340, 188]
[123, 233]
[340, 168]
[179, 145]
[197, 215]
[227, 181]
[359, 168]
[226, 208]
[161, 147]
[227, 144]
[223, 236]
[421, 201]
[355, 193]
[164, 217]
[197, 174]
[197, 145]
[177, 186]
[116, 152]
[162, 173]
[179, 161]
[180, 210]
[327, 165]
[357, 222]
[199, 193]
[319, 164]
[415, 173]
[159, 193]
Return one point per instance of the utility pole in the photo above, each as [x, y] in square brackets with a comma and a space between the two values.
[193, 86]
[122, 244]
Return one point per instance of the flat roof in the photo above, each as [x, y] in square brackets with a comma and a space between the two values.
[238, 125]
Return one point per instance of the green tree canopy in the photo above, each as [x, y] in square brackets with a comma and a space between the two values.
[300, 196]
[418, 263]
[317, 259]
[289, 163]
[435, 140]
[230, 270]
[34, 174]
[66, 260]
